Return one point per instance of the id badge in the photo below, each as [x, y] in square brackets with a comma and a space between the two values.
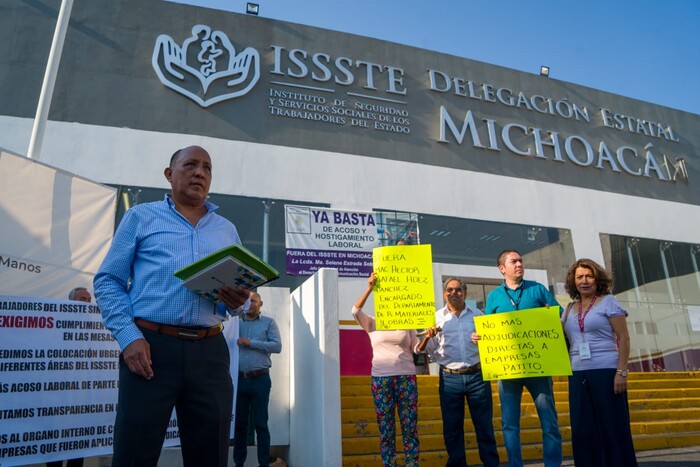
[584, 351]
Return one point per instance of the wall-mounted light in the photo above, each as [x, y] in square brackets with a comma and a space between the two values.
[252, 8]
[130, 198]
[544, 71]
[126, 200]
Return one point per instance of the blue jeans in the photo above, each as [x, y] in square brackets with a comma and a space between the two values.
[542, 392]
[453, 390]
[253, 394]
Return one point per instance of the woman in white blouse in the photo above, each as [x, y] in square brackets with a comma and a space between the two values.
[394, 386]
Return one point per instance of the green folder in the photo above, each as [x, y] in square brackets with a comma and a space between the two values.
[233, 266]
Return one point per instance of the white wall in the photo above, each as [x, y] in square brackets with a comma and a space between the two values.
[134, 157]
[315, 438]
[276, 305]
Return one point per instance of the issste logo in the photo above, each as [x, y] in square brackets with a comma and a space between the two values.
[205, 68]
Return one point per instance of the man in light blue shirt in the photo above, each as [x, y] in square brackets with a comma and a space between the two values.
[259, 338]
[173, 352]
[460, 377]
[515, 294]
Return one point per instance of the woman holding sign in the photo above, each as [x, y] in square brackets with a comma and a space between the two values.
[600, 344]
[394, 386]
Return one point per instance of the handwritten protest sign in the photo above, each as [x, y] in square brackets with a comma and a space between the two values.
[521, 344]
[404, 296]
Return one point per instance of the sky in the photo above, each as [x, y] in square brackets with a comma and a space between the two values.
[643, 49]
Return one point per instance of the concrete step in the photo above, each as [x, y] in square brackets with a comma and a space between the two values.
[671, 417]
[690, 377]
[650, 410]
[647, 401]
[531, 452]
[664, 409]
[432, 439]
[439, 457]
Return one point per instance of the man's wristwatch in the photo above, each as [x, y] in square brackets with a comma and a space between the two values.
[622, 373]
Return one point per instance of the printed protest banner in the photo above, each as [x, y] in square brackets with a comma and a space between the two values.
[329, 238]
[59, 380]
[522, 343]
[404, 297]
[58, 383]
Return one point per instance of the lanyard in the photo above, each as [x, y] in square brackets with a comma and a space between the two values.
[515, 304]
[581, 315]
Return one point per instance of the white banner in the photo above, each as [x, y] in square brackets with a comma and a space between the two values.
[59, 381]
[56, 228]
[329, 238]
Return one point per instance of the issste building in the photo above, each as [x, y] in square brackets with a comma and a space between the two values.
[468, 157]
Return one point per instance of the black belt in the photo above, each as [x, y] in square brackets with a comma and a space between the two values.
[253, 374]
[193, 334]
[462, 371]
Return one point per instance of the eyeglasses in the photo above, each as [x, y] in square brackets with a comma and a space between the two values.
[450, 290]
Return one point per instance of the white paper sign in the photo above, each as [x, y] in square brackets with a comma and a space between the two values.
[694, 317]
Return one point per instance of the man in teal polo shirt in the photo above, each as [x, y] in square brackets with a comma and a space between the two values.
[516, 294]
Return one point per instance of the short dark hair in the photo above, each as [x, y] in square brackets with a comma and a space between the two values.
[501, 260]
[174, 157]
[603, 279]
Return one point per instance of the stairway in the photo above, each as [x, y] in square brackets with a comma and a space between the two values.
[664, 408]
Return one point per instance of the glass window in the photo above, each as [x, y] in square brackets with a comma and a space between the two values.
[453, 240]
[397, 226]
[658, 283]
[475, 242]
[248, 214]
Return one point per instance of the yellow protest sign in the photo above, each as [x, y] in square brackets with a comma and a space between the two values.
[522, 343]
[404, 297]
